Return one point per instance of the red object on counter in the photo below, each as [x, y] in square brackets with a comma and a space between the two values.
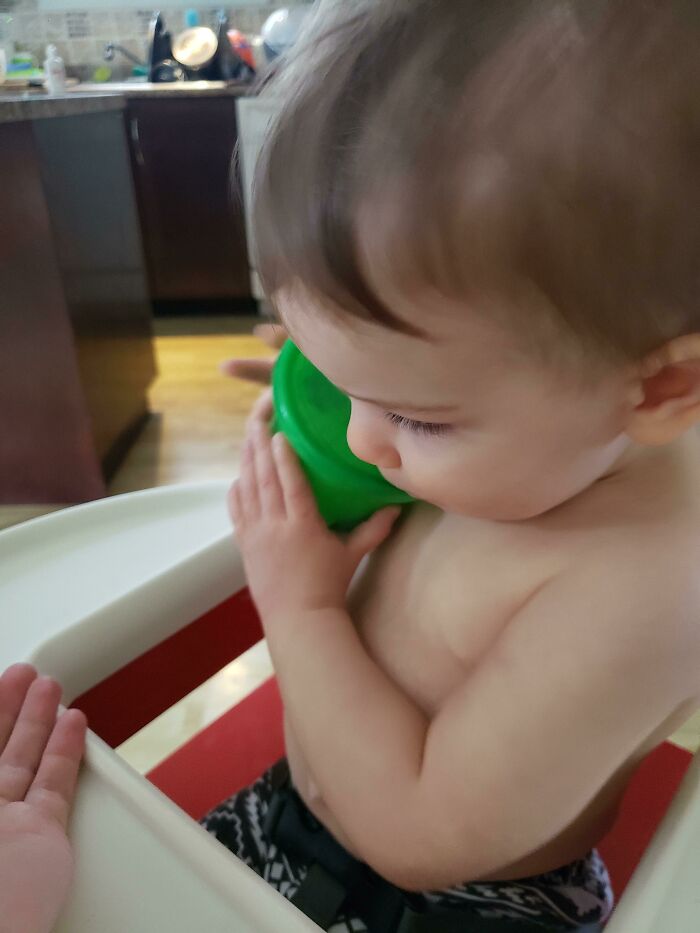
[241, 47]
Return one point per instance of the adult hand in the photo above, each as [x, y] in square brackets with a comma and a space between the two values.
[39, 760]
[258, 370]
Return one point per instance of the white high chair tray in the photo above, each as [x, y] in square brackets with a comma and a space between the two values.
[83, 592]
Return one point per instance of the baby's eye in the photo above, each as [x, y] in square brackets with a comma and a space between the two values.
[431, 428]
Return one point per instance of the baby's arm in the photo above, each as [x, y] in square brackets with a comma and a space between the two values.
[579, 679]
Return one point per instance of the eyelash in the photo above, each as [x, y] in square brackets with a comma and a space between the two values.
[430, 428]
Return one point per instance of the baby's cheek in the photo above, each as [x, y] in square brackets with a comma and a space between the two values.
[476, 488]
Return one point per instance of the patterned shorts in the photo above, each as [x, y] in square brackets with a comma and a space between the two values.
[565, 899]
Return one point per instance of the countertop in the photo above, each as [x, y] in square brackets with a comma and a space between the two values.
[37, 105]
[170, 89]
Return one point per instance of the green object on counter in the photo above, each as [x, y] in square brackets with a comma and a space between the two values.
[102, 74]
[313, 415]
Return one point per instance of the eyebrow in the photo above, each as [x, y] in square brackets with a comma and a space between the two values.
[406, 406]
[390, 406]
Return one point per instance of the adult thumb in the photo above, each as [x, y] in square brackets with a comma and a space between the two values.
[370, 534]
[251, 369]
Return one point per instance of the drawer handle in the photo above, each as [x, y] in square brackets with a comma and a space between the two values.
[136, 140]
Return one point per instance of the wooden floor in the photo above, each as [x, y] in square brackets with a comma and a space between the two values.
[198, 415]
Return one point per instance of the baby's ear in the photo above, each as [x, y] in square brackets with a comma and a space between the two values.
[668, 383]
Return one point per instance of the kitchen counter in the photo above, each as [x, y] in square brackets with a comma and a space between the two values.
[76, 355]
[141, 89]
[35, 105]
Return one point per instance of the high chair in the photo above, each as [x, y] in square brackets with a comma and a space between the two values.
[130, 603]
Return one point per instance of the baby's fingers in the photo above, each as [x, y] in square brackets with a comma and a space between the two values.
[370, 534]
[298, 498]
[267, 479]
[53, 787]
[262, 409]
[248, 498]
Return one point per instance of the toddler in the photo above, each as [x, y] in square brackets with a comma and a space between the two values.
[481, 220]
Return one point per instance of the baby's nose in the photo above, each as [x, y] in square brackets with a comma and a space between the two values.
[368, 445]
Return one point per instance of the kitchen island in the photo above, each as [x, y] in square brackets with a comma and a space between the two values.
[76, 355]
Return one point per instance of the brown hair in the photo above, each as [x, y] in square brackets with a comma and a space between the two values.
[545, 153]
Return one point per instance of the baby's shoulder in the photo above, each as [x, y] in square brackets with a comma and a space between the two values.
[643, 529]
[639, 589]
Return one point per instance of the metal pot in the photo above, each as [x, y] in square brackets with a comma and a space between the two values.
[195, 48]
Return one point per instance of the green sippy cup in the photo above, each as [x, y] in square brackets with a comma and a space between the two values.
[313, 415]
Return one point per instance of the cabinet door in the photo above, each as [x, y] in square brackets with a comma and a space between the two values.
[190, 197]
[90, 197]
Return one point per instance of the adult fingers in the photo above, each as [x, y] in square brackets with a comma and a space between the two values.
[252, 370]
[53, 788]
[273, 335]
[255, 369]
[14, 684]
[22, 754]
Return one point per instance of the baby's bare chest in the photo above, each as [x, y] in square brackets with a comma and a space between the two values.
[436, 598]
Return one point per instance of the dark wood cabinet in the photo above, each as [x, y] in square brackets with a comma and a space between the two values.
[76, 354]
[189, 197]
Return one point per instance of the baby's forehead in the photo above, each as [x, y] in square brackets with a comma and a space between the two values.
[457, 345]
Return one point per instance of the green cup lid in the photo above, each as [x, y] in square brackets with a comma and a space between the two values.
[314, 416]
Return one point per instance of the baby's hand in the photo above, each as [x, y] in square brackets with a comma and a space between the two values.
[39, 760]
[293, 562]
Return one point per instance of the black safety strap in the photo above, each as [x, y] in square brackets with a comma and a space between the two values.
[320, 896]
[335, 876]
[335, 880]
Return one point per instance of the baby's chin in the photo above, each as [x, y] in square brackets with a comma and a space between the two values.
[500, 510]
[492, 510]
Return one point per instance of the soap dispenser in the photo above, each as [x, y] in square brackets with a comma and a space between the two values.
[55, 71]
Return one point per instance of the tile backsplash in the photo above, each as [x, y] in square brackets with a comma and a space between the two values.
[81, 35]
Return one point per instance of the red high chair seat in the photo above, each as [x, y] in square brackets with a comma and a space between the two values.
[644, 804]
[225, 756]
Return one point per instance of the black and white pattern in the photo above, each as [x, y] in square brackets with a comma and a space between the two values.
[567, 898]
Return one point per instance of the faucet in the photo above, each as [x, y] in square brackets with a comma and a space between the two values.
[113, 47]
[159, 47]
